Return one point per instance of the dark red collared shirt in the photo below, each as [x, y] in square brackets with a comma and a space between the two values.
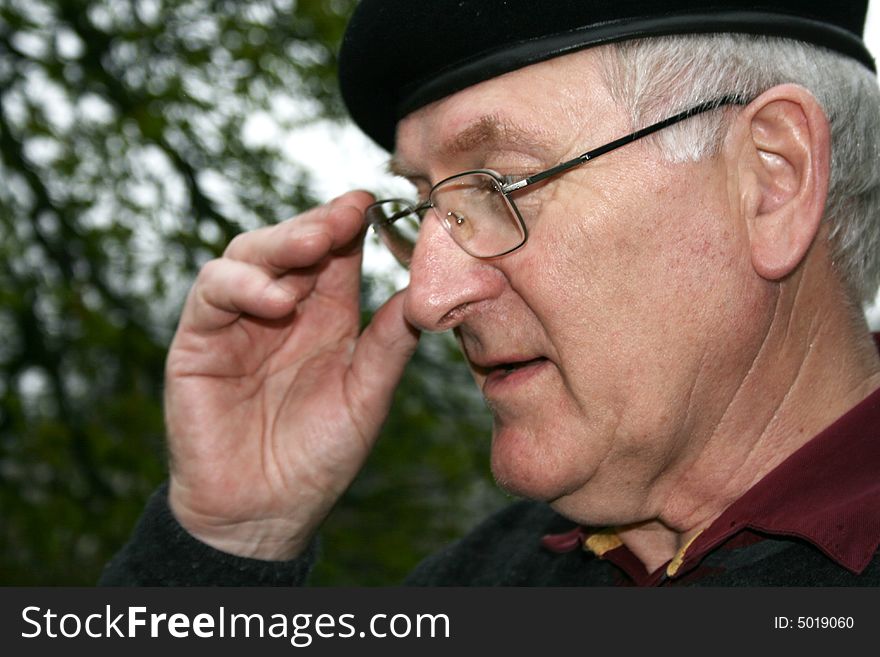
[827, 493]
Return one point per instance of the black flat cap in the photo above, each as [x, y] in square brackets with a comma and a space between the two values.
[399, 55]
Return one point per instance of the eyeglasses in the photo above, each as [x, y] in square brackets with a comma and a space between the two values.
[476, 207]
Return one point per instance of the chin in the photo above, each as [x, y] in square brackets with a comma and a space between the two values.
[523, 466]
[565, 474]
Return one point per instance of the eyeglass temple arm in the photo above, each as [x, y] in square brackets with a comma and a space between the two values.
[732, 99]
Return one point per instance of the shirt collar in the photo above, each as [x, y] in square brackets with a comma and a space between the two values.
[827, 493]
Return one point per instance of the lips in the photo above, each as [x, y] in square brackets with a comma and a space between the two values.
[487, 366]
[508, 368]
[508, 374]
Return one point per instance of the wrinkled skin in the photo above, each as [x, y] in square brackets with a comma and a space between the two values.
[273, 401]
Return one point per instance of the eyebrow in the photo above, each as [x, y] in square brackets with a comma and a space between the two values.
[487, 130]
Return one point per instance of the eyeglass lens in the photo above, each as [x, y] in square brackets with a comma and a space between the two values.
[471, 207]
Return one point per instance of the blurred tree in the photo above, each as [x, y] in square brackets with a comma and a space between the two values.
[126, 163]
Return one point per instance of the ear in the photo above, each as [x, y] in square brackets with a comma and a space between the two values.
[782, 150]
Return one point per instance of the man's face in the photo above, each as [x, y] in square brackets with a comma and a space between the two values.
[608, 346]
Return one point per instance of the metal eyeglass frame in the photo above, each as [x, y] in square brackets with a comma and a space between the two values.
[508, 188]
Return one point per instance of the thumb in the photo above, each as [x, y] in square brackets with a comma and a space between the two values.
[380, 356]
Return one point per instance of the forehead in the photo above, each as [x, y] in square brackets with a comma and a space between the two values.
[531, 108]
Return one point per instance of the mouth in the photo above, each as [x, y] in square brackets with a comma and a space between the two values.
[509, 368]
[485, 367]
[509, 372]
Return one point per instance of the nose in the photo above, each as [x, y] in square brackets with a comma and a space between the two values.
[447, 285]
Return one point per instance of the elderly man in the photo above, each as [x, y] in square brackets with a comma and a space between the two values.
[669, 337]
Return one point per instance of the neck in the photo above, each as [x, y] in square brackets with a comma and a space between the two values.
[811, 368]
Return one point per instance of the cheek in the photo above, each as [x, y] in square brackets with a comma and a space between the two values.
[631, 292]
[644, 257]
[591, 281]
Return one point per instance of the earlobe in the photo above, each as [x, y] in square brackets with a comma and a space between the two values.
[783, 165]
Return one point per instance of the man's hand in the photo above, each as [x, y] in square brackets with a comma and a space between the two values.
[272, 400]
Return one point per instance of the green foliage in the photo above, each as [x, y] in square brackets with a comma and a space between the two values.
[125, 164]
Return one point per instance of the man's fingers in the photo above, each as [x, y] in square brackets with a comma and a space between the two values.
[266, 272]
[307, 239]
[382, 352]
[227, 288]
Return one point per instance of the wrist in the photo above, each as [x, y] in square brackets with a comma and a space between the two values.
[269, 539]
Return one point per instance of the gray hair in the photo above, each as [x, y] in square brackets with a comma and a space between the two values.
[653, 78]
